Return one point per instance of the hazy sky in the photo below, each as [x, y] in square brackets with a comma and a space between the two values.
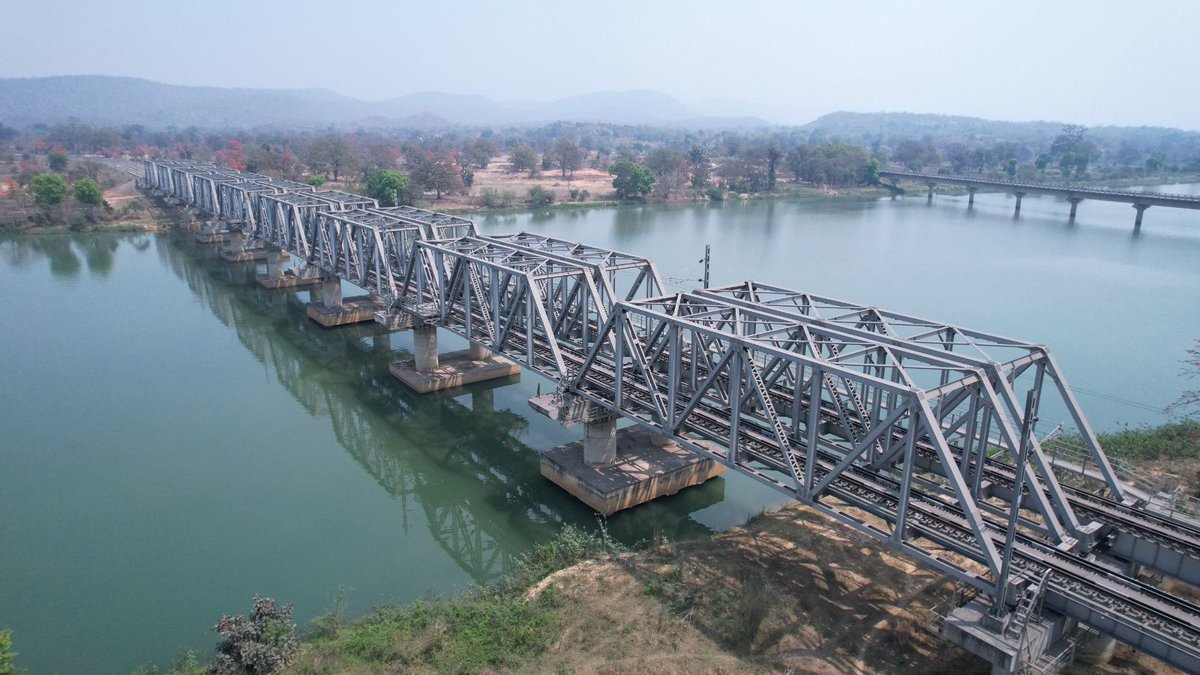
[1095, 62]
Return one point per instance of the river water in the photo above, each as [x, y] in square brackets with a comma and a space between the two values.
[175, 439]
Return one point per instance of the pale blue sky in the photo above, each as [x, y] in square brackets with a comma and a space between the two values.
[1096, 62]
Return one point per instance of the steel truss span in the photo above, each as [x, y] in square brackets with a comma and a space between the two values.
[915, 432]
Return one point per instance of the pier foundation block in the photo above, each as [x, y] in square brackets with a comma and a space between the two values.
[289, 279]
[251, 254]
[430, 371]
[454, 369]
[330, 309]
[968, 627]
[643, 468]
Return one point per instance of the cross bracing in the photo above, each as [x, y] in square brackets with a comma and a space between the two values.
[1004, 358]
[910, 430]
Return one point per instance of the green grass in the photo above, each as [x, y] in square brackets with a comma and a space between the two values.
[1174, 440]
[486, 628]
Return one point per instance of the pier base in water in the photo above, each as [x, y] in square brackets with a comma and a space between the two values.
[647, 466]
[453, 369]
[250, 254]
[288, 279]
[356, 309]
[213, 237]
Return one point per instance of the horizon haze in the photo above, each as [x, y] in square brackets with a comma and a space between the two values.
[783, 62]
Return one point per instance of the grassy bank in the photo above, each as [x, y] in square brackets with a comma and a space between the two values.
[788, 591]
[1172, 441]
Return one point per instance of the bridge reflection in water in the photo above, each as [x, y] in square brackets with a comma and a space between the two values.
[464, 465]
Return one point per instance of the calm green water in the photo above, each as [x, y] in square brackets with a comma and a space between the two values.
[174, 440]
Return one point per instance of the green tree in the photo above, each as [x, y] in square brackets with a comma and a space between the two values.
[1042, 161]
[632, 180]
[438, 173]
[316, 181]
[1073, 150]
[49, 190]
[773, 157]
[523, 157]
[6, 653]
[701, 166]
[1154, 163]
[870, 172]
[88, 192]
[389, 188]
[58, 160]
[481, 151]
[567, 156]
[916, 155]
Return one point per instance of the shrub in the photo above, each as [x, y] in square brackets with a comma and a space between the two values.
[316, 181]
[49, 189]
[264, 642]
[88, 192]
[540, 197]
[492, 198]
[6, 653]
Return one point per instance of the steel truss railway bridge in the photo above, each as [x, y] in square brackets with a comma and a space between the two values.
[1072, 193]
[917, 433]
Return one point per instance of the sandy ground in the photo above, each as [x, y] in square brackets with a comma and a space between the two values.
[498, 176]
[835, 602]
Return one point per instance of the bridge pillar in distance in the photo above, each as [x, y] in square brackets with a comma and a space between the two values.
[213, 232]
[1074, 205]
[277, 276]
[1137, 222]
[930, 197]
[431, 371]
[1019, 196]
[971, 196]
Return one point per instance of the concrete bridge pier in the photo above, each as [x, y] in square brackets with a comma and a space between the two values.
[430, 370]
[1074, 205]
[277, 276]
[1019, 196]
[600, 442]
[971, 197]
[244, 248]
[330, 309]
[212, 232]
[612, 470]
[1137, 222]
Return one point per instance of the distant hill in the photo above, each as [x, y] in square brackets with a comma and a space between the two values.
[888, 127]
[123, 100]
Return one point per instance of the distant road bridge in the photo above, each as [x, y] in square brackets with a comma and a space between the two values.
[915, 432]
[1072, 193]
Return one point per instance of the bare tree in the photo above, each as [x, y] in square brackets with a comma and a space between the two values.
[1189, 401]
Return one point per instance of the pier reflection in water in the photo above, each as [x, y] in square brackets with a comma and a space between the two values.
[464, 463]
[159, 467]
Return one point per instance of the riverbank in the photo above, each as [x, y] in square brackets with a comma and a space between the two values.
[790, 192]
[791, 590]
[788, 591]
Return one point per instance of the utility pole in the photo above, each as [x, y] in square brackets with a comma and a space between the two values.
[706, 260]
